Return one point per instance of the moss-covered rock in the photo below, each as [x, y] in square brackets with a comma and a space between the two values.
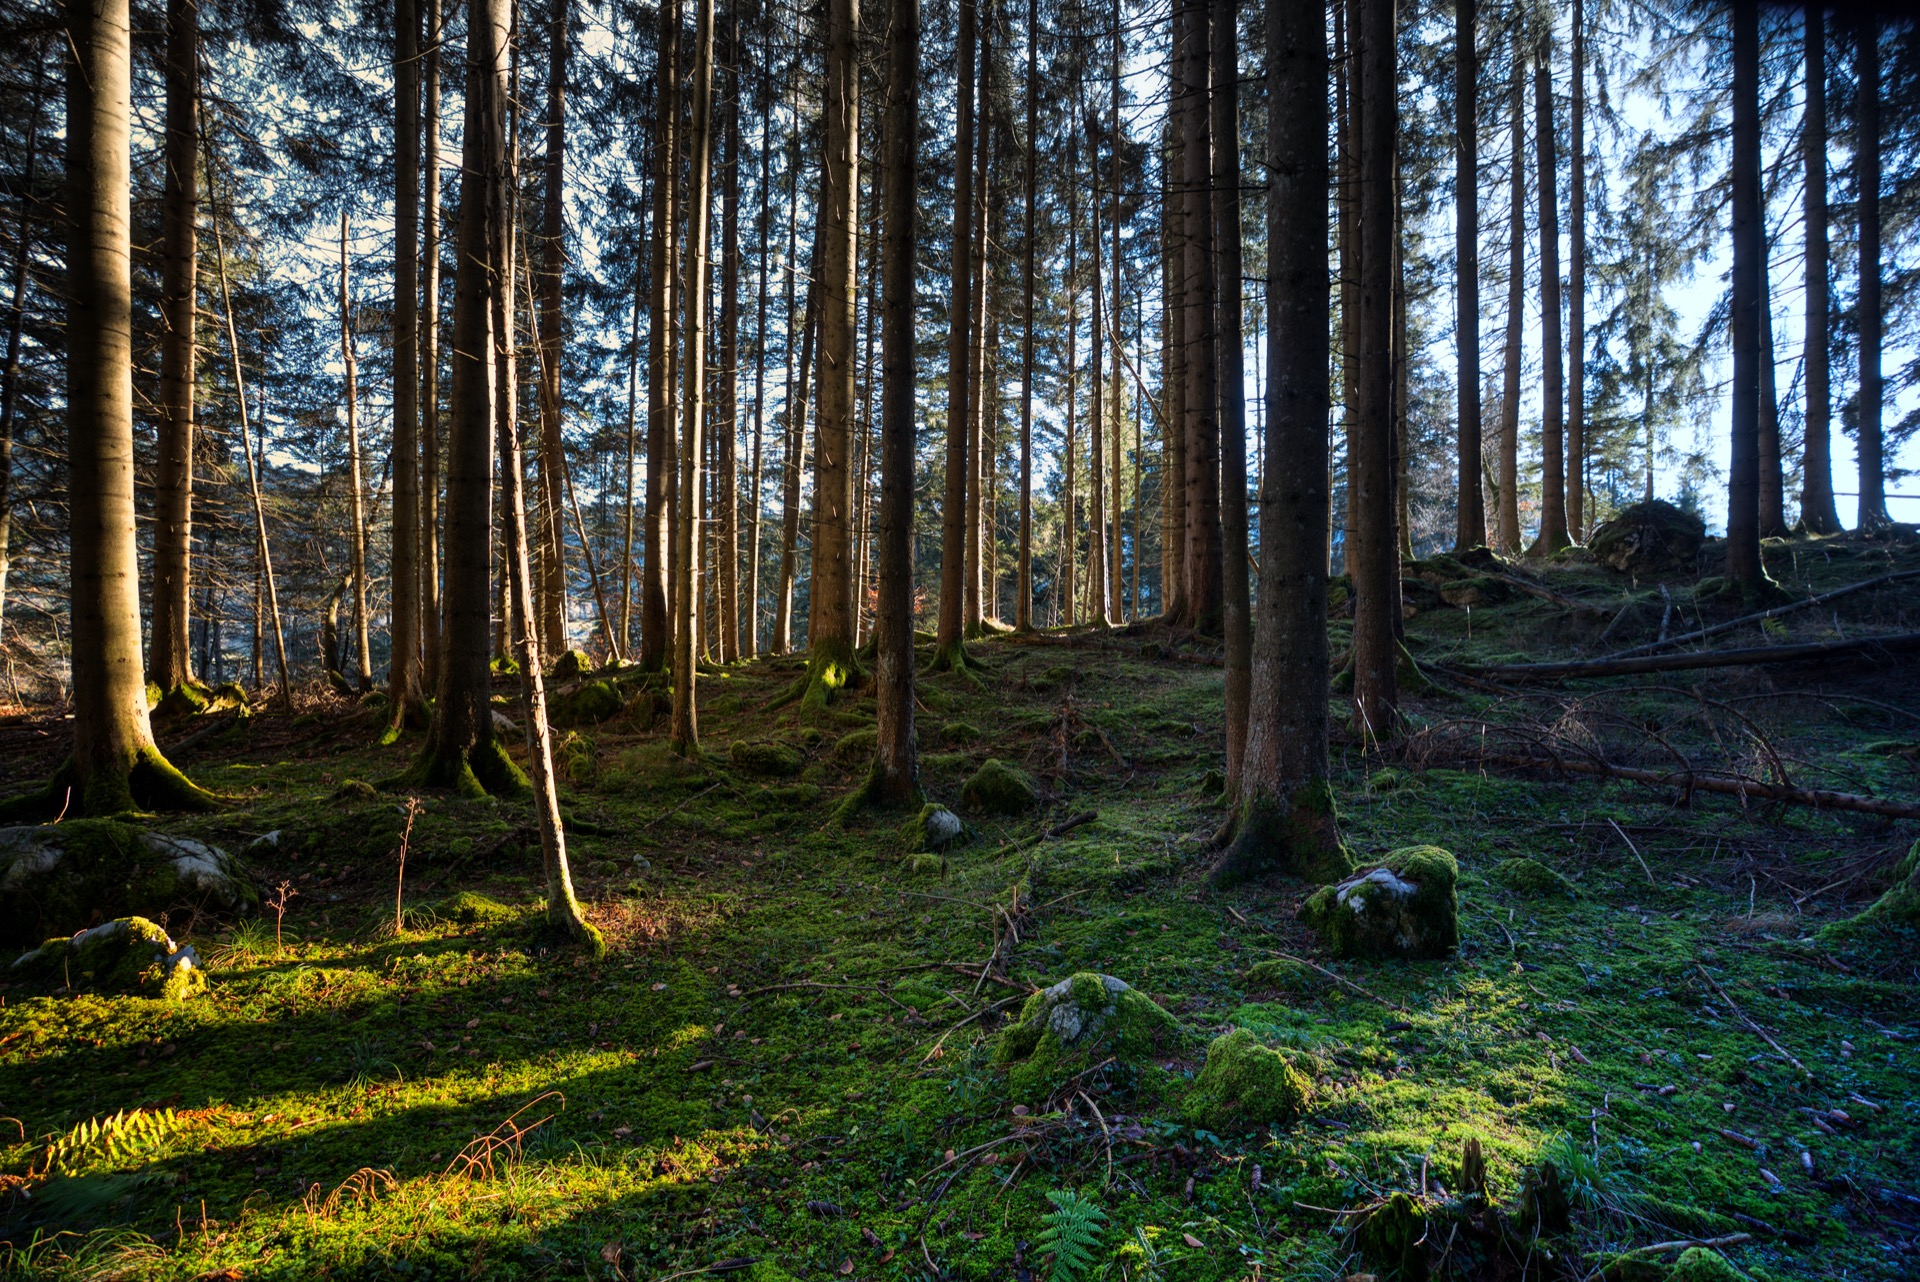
[1479, 590]
[1647, 538]
[998, 789]
[1076, 1023]
[472, 906]
[571, 666]
[926, 865]
[1405, 906]
[959, 732]
[768, 757]
[1245, 1086]
[126, 955]
[856, 748]
[1532, 878]
[55, 878]
[1287, 977]
[184, 700]
[587, 704]
[1703, 1264]
[934, 828]
[356, 790]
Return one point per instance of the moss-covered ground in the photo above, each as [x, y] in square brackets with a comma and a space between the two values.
[786, 1057]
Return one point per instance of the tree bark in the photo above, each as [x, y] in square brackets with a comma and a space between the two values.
[727, 422]
[656, 629]
[1576, 477]
[1868, 320]
[16, 327]
[1507, 514]
[1117, 392]
[429, 546]
[1773, 492]
[1470, 523]
[1744, 569]
[686, 726]
[1099, 611]
[550, 600]
[972, 610]
[403, 664]
[1347, 151]
[1023, 577]
[356, 494]
[750, 624]
[1553, 478]
[799, 401]
[170, 661]
[1068, 572]
[1204, 576]
[1236, 619]
[1817, 512]
[949, 644]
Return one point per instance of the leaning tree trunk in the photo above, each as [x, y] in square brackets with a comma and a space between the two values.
[428, 607]
[799, 400]
[1507, 513]
[115, 766]
[1867, 318]
[1553, 478]
[1745, 573]
[1470, 517]
[949, 641]
[403, 664]
[656, 630]
[1236, 605]
[1817, 512]
[1285, 820]
[686, 608]
[169, 662]
[551, 599]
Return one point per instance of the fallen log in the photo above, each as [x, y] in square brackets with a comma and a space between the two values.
[1667, 643]
[1744, 657]
[1819, 798]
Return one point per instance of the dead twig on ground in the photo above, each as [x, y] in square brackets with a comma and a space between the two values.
[1341, 980]
[1741, 1015]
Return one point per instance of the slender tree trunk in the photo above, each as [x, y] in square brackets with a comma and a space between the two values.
[1285, 818]
[1401, 360]
[1173, 379]
[1023, 584]
[1553, 478]
[799, 401]
[169, 662]
[1868, 321]
[1347, 146]
[1114, 543]
[1470, 523]
[1099, 611]
[1236, 618]
[1817, 512]
[550, 600]
[1069, 543]
[1773, 486]
[972, 613]
[633, 453]
[10, 378]
[403, 664]
[686, 727]
[1376, 580]
[1507, 517]
[1744, 569]
[869, 393]
[1577, 288]
[356, 494]
[429, 347]
[949, 648]
[727, 424]
[656, 632]
[750, 624]
[1204, 575]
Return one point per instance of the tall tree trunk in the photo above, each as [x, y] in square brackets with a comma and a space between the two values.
[864, 463]
[1553, 479]
[403, 664]
[429, 546]
[949, 647]
[1023, 578]
[656, 629]
[550, 600]
[1285, 818]
[1376, 579]
[1204, 577]
[1867, 318]
[1744, 569]
[1470, 515]
[1347, 149]
[972, 611]
[1173, 381]
[1507, 515]
[356, 493]
[1069, 543]
[1099, 611]
[169, 663]
[1773, 484]
[686, 726]
[461, 751]
[115, 766]
[1114, 543]
[16, 326]
[1817, 512]
[830, 619]
[799, 401]
[633, 451]
[750, 623]
[1577, 287]
[1236, 618]
[727, 423]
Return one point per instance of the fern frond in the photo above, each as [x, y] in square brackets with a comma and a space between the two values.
[1071, 1231]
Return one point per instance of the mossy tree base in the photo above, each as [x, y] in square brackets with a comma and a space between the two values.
[411, 713]
[1294, 836]
[831, 667]
[954, 657]
[150, 783]
[874, 794]
[484, 770]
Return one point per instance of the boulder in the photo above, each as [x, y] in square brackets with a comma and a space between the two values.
[1648, 538]
[1246, 1086]
[572, 665]
[1404, 906]
[998, 789]
[587, 704]
[934, 828]
[125, 955]
[1077, 1023]
[55, 878]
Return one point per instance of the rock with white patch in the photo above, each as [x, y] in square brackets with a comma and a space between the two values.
[1404, 906]
[57, 878]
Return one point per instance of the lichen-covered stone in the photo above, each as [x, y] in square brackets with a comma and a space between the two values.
[934, 828]
[1076, 1023]
[1530, 877]
[54, 878]
[767, 757]
[998, 789]
[1404, 906]
[1245, 1086]
[1647, 538]
[125, 955]
[856, 747]
[585, 705]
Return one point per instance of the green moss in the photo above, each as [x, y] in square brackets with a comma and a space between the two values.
[959, 732]
[1703, 1264]
[934, 828]
[472, 906]
[54, 879]
[1394, 1234]
[1289, 978]
[1532, 878]
[856, 748]
[571, 666]
[587, 704]
[926, 865]
[1898, 908]
[768, 757]
[355, 790]
[126, 955]
[998, 789]
[505, 665]
[1404, 906]
[184, 700]
[1297, 835]
[1245, 1086]
[1076, 1023]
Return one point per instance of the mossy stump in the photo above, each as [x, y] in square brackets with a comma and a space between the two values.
[126, 955]
[997, 788]
[1405, 906]
[1245, 1086]
[1075, 1024]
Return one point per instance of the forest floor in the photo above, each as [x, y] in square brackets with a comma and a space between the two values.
[784, 1065]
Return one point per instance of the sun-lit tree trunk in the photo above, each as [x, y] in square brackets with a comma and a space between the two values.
[169, 662]
[1817, 512]
[1553, 480]
[627, 505]
[1470, 517]
[868, 448]
[550, 600]
[726, 487]
[1745, 572]
[1284, 819]
[1117, 392]
[1099, 609]
[356, 494]
[1204, 577]
[403, 664]
[656, 630]
[1577, 286]
[17, 323]
[686, 725]
[1376, 577]
[1067, 573]
[1023, 576]
[1867, 317]
[949, 645]
[1236, 620]
[115, 766]
[1173, 365]
[1507, 516]
[428, 609]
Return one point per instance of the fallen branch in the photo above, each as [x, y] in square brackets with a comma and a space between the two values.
[1678, 1244]
[1341, 979]
[989, 1009]
[1819, 798]
[1741, 1015]
[1667, 643]
[1745, 657]
[1533, 589]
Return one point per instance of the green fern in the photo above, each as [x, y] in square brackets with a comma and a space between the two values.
[1072, 1232]
[111, 1138]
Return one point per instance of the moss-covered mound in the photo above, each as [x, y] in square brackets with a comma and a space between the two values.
[769, 757]
[1648, 538]
[1405, 906]
[856, 747]
[1703, 1264]
[571, 666]
[126, 955]
[1245, 1086]
[958, 732]
[472, 906]
[1532, 878]
[55, 878]
[998, 789]
[587, 704]
[1077, 1023]
[1480, 589]
[934, 828]
[1898, 907]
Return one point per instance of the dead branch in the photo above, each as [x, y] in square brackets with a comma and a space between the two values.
[1819, 798]
[1745, 657]
[1667, 643]
[1741, 1015]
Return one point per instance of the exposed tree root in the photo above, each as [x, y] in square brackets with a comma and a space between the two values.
[149, 783]
[412, 713]
[831, 667]
[954, 657]
[484, 770]
[1297, 836]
